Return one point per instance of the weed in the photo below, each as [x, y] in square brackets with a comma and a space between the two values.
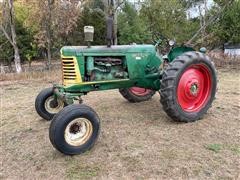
[214, 147]
[82, 172]
[236, 150]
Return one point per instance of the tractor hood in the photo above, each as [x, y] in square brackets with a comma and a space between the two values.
[101, 50]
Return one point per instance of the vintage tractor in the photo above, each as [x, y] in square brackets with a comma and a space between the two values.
[185, 79]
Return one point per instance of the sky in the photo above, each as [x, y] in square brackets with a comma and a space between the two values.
[194, 11]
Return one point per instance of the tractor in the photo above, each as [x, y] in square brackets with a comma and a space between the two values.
[185, 79]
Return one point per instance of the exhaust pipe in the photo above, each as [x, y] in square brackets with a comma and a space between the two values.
[109, 31]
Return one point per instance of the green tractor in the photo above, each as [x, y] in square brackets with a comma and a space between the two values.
[185, 79]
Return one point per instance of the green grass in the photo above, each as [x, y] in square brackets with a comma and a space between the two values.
[218, 147]
[236, 150]
[82, 172]
[214, 147]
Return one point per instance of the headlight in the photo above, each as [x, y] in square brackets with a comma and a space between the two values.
[171, 43]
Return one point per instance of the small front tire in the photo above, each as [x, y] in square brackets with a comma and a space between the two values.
[75, 129]
[46, 106]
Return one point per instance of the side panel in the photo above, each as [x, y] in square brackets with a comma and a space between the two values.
[144, 69]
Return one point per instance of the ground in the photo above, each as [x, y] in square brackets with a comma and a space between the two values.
[137, 141]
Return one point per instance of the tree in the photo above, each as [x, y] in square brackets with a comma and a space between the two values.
[227, 28]
[7, 22]
[132, 28]
[56, 20]
[166, 17]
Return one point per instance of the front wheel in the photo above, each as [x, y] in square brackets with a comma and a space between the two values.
[75, 129]
[188, 87]
[136, 94]
[46, 105]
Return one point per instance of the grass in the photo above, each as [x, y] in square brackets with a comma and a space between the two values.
[47, 75]
[214, 147]
[80, 171]
[137, 141]
[218, 147]
[235, 149]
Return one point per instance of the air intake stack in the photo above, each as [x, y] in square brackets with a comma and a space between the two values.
[88, 34]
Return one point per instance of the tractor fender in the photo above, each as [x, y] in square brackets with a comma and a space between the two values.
[177, 51]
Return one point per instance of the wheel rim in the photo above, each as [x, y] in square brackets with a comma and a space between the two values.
[53, 110]
[78, 131]
[140, 91]
[194, 88]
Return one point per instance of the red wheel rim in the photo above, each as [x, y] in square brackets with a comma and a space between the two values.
[140, 91]
[194, 88]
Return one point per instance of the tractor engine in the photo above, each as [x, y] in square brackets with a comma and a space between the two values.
[105, 68]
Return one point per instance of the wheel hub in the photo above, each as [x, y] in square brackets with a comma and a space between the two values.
[78, 131]
[53, 105]
[194, 89]
[75, 128]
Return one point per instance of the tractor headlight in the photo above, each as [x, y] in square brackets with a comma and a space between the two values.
[171, 43]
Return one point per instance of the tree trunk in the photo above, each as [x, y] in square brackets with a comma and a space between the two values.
[49, 55]
[204, 18]
[2, 70]
[10, 66]
[48, 30]
[17, 59]
[201, 23]
[115, 40]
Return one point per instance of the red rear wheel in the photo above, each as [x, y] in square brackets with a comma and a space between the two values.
[188, 87]
[137, 94]
[140, 91]
[194, 88]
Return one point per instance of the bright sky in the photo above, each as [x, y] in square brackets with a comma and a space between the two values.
[194, 12]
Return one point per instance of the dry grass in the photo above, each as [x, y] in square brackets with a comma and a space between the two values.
[51, 75]
[137, 141]
[226, 61]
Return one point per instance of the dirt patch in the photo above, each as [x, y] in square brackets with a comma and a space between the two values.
[136, 140]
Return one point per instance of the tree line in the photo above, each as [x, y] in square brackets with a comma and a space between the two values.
[37, 29]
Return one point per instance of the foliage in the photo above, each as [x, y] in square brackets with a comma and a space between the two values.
[132, 28]
[48, 24]
[89, 17]
[167, 18]
[24, 37]
[227, 29]
[214, 147]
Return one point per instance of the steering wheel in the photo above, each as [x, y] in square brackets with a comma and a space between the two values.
[158, 38]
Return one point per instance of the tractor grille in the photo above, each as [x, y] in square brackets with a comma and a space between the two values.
[69, 71]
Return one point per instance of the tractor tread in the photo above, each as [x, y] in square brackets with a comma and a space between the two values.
[170, 78]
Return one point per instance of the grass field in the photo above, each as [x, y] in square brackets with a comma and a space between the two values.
[137, 141]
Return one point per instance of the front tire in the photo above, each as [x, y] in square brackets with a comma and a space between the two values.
[75, 129]
[188, 87]
[46, 106]
[136, 94]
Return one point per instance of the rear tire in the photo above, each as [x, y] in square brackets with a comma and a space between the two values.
[43, 104]
[136, 94]
[75, 129]
[188, 87]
